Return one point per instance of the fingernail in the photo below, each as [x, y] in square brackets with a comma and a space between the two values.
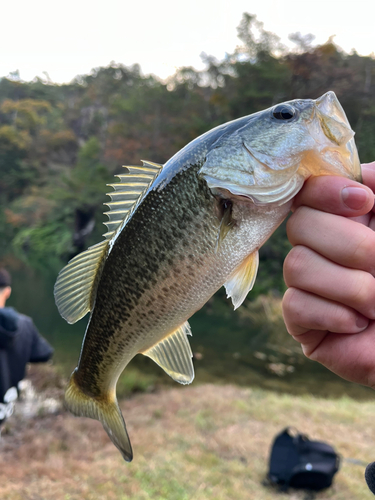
[354, 197]
[361, 322]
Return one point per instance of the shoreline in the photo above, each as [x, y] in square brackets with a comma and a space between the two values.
[194, 442]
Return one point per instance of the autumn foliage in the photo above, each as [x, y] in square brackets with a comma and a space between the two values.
[61, 144]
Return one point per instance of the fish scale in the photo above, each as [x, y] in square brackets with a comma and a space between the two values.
[148, 267]
[179, 232]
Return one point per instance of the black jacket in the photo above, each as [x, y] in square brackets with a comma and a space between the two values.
[20, 343]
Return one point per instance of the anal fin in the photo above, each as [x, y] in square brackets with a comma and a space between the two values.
[173, 354]
[242, 280]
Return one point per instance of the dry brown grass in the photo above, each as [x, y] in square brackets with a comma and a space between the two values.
[199, 442]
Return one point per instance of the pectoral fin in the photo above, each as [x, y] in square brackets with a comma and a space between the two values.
[173, 354]
[242, 281]
[226, 223]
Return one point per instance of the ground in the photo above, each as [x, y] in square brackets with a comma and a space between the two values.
[198, 442]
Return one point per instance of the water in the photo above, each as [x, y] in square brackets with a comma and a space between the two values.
[226, 347]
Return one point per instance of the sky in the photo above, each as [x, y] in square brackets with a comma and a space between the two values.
[65, 39]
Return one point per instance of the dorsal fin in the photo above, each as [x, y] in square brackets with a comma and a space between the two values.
[128, 193]
[173, 354]
[76, 283]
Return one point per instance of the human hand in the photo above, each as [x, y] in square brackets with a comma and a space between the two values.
[329, 306]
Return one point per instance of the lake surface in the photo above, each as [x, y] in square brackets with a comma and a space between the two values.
[227, 348]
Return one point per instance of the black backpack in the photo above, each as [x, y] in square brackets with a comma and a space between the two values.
[297, 462]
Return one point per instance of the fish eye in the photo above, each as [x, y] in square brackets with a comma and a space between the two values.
[283, 112]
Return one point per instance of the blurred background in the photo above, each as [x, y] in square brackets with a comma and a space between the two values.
[88, 87]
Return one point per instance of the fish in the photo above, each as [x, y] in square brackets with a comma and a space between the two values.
[178, 232]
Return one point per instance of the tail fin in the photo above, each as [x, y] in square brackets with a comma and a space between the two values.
[106, 411]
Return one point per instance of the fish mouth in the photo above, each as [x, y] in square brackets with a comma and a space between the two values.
[260, 195]
[336, 128]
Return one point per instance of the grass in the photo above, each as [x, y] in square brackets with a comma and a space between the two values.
[190, 443]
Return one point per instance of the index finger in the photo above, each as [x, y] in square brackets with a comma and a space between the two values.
[338, 195]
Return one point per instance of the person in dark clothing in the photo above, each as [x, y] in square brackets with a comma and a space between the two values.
[20, 343]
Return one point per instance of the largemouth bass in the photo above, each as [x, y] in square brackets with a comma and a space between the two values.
[178, 232]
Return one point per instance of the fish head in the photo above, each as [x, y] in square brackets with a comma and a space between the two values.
[270, 154]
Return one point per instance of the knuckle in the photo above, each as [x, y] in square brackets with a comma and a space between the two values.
[343, 318]
[362, 294]
[308, 352]
[296, 222]
[294, 311]
[319, 321]
[363, 251]
[295, 262]
[311, 353]
[287, 311]
[289, 302]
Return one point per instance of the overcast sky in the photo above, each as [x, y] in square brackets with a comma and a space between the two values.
[71, 37]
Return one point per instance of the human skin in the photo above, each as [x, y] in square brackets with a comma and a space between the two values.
[329, 306]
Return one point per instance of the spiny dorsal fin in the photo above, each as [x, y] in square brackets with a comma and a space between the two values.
[128, 193]
[76, 283]
[242, 281]
[173, 354]
[75, 287]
